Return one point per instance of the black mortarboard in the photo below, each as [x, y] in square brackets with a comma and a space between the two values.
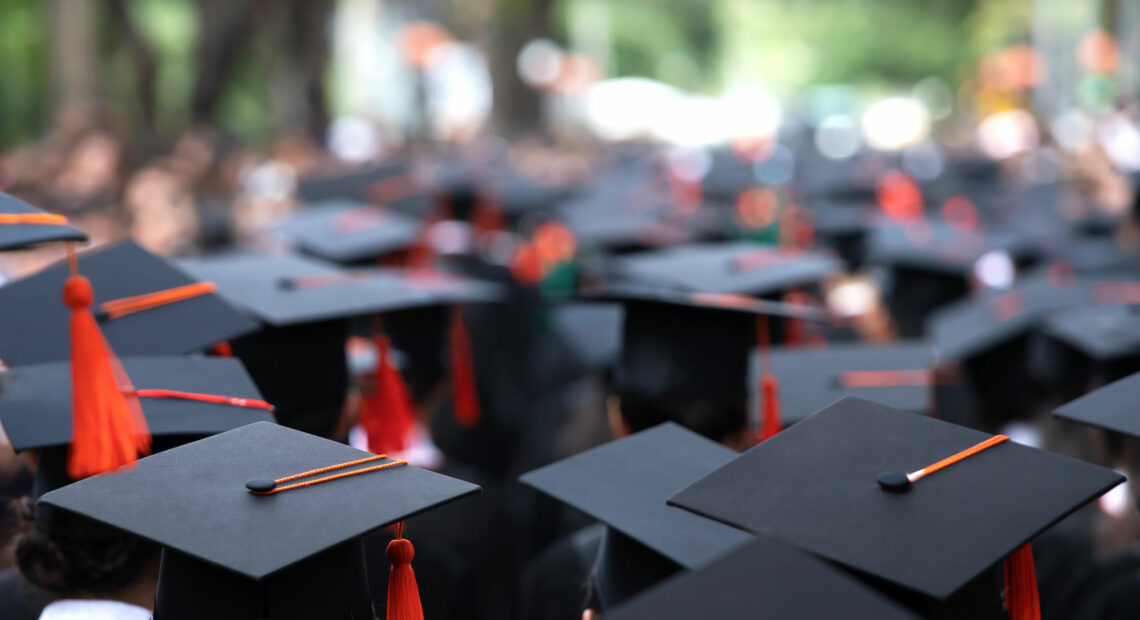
[349, 232]
[627, 220]
[1093, 345]
[900, 375]
[728, 175]
[22, 225]
[34, 319]
[684, 356]
[1111, 407]
[822, 485]
[932, 264]
[766, 578]
[284, 289]
[36, 407]
[625, 484]
[390, 184]
[306, 305]
[974, 326]
[740, 268]
[230, 553]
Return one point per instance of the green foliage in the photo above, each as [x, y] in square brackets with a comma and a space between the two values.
[23, 71]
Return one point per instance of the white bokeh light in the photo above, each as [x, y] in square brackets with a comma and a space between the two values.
[837, 137]
[895, 123]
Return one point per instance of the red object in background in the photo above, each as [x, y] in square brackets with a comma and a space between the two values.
[899, 196]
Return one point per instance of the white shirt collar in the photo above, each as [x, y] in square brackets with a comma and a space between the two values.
[91, 609]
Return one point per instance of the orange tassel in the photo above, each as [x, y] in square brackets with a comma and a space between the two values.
[387, 416]
[108, 428]
[1021, 600]
[464, 392]
[770, 422]
[222, 349]
[403, 593]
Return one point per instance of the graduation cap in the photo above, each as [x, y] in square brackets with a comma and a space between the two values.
[1093, 345]
[740, 268]
[990, 339]
[143, 304]
[349, 232]
[900, 375]
[22, 225]
[919, 503]
[621, 219]
[624, 484]
[685, 356]
[1111, 407]
[391, 184]
[932, 263]
[228, 511]
[298, 359]
[180, 397]
[768, 575]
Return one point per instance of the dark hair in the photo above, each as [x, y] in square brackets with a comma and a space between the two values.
[66, 563]
[715, 420]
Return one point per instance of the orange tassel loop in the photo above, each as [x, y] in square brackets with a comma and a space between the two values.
[403, 593]
[1021, 599]
[108, 428]
[36, 219]
[770, 422]
[464, 390]
[387, 415]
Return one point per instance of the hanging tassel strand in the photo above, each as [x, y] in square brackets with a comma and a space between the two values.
[1021, 597]
[403, 592]
[770, 422]
[108, 428]
[464, 388]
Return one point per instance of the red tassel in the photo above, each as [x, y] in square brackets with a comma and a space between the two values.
[770, 422]
[403, 593]
[1021, 600]
[222, 349]
[387, 416]
[464, 392]
[108, 428]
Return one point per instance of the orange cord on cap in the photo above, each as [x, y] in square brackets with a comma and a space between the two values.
[320, 280]
[886, 378]
[40, 219]
[233, 401]
[954, 458]
[129, 305]
[313, 472]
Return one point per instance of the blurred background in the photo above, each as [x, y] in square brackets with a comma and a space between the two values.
[131, 115]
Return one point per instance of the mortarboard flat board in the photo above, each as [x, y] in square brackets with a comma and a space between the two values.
[938, 247]
[392, 184]
[34, 319]
[1111, 407]
[229, 552]
[284, 289]
[35, 404]
[933, 539]
[899, 375]
[972, 327]
[348, 232]
[22, 225]
[625, 484]
[765, 578]
[739, 268]
[1101, 333]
